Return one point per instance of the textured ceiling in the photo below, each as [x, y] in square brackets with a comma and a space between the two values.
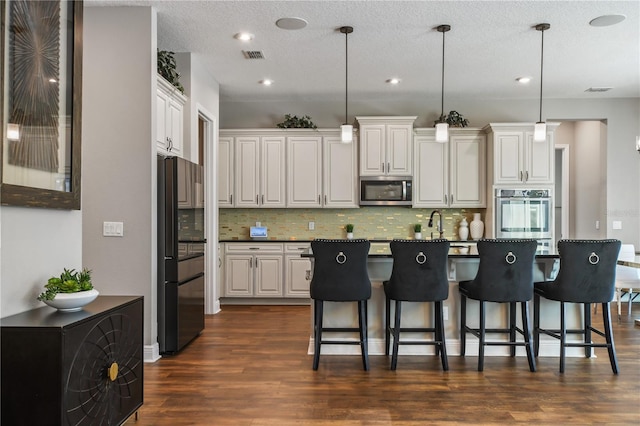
[490, 44]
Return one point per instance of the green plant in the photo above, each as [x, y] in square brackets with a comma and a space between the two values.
[167, 69]
[349, 227]
[417, 227]
[295, 122]
[69, 281]
[454, 119]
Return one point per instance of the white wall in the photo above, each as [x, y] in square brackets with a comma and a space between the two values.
[35, 244]
[119, 154]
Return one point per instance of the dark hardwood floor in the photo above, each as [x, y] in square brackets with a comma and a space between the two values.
[250, 367]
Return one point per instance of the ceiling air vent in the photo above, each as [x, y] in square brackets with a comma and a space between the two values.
[253, 54]
[598, 89]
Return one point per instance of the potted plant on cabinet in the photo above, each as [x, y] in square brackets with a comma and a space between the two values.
[417, 231]
[167, 69]
[349, 229]
[295, 122]
[70, 291]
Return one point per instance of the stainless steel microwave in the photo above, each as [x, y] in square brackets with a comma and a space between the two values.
[385, 190]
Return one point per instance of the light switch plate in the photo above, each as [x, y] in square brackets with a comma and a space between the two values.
[617, 224]
[113, 229]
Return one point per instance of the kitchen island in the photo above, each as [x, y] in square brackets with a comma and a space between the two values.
[462, 265]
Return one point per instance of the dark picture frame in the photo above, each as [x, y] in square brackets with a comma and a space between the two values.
[41, 123]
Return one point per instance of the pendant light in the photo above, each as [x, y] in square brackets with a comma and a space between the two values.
[540, 130]
[346, 130]
[442, 128]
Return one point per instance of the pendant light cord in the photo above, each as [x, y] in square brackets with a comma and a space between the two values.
[346, 74]
[541, 68]
[442, 91]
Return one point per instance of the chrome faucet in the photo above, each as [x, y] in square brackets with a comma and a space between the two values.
[439, 223]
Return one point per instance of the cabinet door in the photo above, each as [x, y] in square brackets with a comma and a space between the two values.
[508, 157]
[304, 171]
[297, 276]
[272, 185]
[468, 171]
[162, 102]
[174, 127]
[372, 150]
[399, 139]
[268, 276]
[225, 172]
[430, 183]
[238, 269]
[539, 158]
[247, 166]
[340, 173]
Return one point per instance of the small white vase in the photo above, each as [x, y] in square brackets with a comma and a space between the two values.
[349, 235]
[417, 236]
[476, 227]
[463, 229]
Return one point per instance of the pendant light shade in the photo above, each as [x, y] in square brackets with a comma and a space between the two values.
[442, 128]
[346, 130]
[540, 131]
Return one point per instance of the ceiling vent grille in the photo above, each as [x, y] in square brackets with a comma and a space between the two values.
[253, 54]
[598, 89]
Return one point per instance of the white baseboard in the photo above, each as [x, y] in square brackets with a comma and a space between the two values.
[376, 347]
[151, 352]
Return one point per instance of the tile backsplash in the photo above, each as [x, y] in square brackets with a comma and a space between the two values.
[369, 222]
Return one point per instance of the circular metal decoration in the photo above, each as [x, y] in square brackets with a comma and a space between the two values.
[341, 258]
[593, 258]
[105, 376]
[510, 258]
[421, 258]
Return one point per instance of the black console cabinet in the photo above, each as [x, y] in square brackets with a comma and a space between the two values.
[73, 368]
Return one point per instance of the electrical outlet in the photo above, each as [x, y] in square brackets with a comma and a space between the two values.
[312, 226]
[258, 224]
[617, 224]
[445, 313]
[597, 224]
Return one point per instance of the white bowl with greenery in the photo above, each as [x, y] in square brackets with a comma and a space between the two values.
[70, 292]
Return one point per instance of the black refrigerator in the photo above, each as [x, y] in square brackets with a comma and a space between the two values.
[181, 246]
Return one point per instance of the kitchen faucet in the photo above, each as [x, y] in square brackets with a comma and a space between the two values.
[439, 223]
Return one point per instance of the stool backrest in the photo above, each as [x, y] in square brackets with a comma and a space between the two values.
[587, 271]
[419, 271]
[340, 270]
[505, 272]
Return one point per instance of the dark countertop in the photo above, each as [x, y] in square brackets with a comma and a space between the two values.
[249, 240]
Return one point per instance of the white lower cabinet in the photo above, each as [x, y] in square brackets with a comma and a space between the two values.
[297, 274]
[253, 270]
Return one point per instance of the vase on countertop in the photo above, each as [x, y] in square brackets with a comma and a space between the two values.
[463, 229]
[417, 235]
[349, 235]
[476, 227]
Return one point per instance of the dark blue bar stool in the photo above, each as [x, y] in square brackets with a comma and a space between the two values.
[505, 275]
[587, 275]
[419, 274]
[340, 275]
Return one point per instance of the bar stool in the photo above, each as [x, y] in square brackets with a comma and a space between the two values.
[587, 275]
[505, 275]
[340, 275]
[419, 274]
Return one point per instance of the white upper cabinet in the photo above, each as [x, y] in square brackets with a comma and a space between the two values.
[304, 171]
[451, 174]
[170, 105]
[340, 173]
[517, 158]
[386, 146]
[225, 172]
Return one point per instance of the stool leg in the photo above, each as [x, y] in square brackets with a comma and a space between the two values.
[463, 323]
[563, 336]
[512, 327]
[482, 337]
[606, 320]
[524, 307]
[536, 323]
[396, 335]
[364, 344]
[317, 328]
[440, 336]
[436, 328]
[387, 321]
[587, 329]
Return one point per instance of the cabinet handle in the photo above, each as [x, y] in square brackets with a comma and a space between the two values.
[521, 176]
[263, 199]
[388, 167]
[319, 199]
[250, 266]
[451, 198]
[231, 199]
[382, 167]
[257, 199]
[446, 200]
[526, 176]
[325, 200]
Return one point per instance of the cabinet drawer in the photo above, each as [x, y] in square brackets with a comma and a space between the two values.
[293, 248]
[253, 248]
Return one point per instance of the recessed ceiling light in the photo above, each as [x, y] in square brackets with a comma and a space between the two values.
[393, 81]
[266, 82]
[523, 80]
[607, 20]
[291, 23]
[243, 36]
